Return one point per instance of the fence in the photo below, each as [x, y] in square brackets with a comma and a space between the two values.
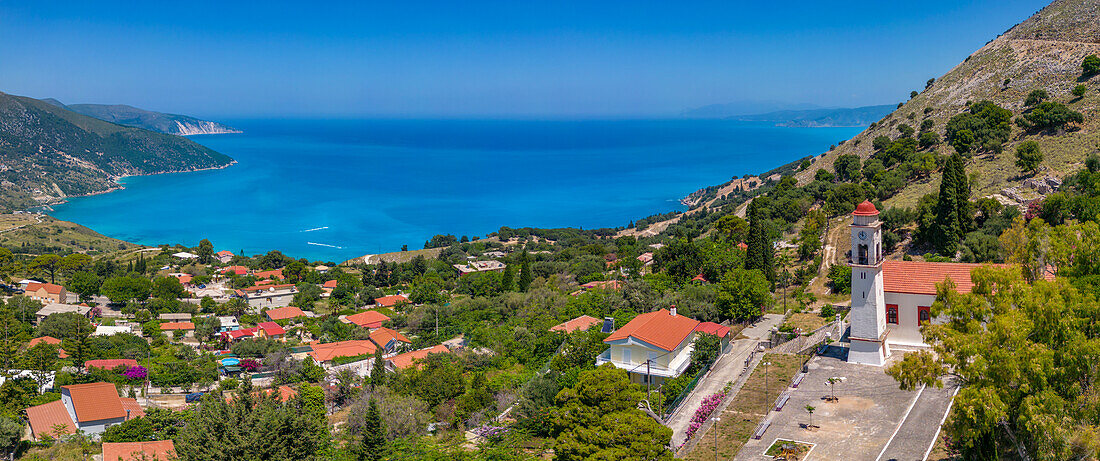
[671, 407]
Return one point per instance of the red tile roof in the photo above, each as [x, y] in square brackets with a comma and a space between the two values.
[408, 359]
[238, 334]
[657, 328]
[271, 328]
[50, 340]
[383, 336]
[917, 277]
[185, 278]
[272, 274]
[50, 288]
[743, 246]
[391, 300]
[713, 328]
[225, 253]
[133, 407]
[865, 209]
[700, 278]
[265, 287]
[329, 284]
[110, 364]
[606, 284]
[284, 313]
[583, 322]
[368, 319]
[95, 401]
[43, 418]
[160, 450]
[177, 326]
[239, 270]
[329, 351]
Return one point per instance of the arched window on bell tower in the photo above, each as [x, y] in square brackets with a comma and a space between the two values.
[862, 257]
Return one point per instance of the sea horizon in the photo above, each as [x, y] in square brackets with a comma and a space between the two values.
[334, 189]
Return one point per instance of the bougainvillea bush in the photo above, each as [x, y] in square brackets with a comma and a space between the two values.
[706, 408]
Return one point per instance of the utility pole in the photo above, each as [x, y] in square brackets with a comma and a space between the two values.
[766, 384]
[714, 427]
[648, 379]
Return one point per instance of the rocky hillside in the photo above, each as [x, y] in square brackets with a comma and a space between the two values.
[154, 121]
[48, 153]
[1043, 52]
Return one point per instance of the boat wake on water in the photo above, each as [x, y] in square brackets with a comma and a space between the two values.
[325, 245]
[315, 229]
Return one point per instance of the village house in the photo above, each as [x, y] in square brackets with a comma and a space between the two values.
[61, 354]
[411, 359]
[158, 450]
[111, 330]
[235, 270]
[276, 274]
[175, 317]
[46, 292]
[269, 330]
[268, 295]
[55, 308]
[391, 301]
[389, 340]
[188, 328]
[327, 352]
[110, 364]
[224, 256]
[327, 287]
[185, 255]
[91, 408]
[480, 266]
[652, 347]
[367, 319]
[284, 313]
[581, 323]
[228, 323]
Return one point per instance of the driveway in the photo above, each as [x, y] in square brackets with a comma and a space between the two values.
[725, 370]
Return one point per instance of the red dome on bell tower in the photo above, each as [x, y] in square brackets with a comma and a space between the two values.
[865, 209]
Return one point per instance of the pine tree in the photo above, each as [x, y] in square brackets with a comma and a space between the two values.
[946, 232]
[760, 255]
[525, 276]
[373, 445]
[378, 371]
[508, 279]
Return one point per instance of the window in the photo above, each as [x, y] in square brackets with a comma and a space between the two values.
[892, 314]
[626, 355]
[924, 314]
[862, 255]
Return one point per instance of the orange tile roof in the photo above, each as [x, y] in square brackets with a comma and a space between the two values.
[50, 340]
[225, 253]
[43, 418]
[329, 351]
[391, 300]
[284, 313]
[368, 319]
[713, 328]
[133, 407]
[272, 274]
[917, 277]
[657, 328]
[286, 393]
[329, 284]
[239, 270]
[160, 450]
[271, 328]
[110, 364]
[383, 336]
[408, 359]
[605, 284]
[177, 326]
[95, 401]
[583, 322]
[50, 288]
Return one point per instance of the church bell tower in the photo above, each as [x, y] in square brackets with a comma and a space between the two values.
[868, 316]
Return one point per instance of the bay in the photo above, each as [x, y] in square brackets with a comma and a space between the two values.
[336, 189]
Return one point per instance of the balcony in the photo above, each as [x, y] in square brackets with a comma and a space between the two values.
[676, 366]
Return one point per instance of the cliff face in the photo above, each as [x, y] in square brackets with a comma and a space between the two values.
[48, 152]
[186, 128]
[154, 121]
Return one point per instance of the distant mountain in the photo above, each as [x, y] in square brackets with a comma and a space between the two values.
[141, 118]
[859, 116]
[48, 153]
[746, 107]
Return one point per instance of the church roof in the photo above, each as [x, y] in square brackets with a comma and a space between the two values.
[865, 209]
[918, 277]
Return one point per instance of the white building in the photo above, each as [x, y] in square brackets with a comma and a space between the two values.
[91, 408]
[891, 299]
[654, 346]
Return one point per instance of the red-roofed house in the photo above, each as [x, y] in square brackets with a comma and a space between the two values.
[276, 274]
[46, 292]
[711, 328]
[661, 338]
[268, 295]
[323, 353]
[172, 326]
[367, 319]
[391, 300]
[388, 339]
[410, 359]
[581, 323]
[270, 330]
[49, 340]
[285, 313]
[329, 284]
[91, 408]
[224, 256]
[110, 364]
[159, 450]
[238, 270]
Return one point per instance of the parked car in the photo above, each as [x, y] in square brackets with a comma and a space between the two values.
[193, 397]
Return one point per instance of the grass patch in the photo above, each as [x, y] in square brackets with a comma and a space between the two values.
[807, 321]
[748, 408]
[54, 236]
[789, 450]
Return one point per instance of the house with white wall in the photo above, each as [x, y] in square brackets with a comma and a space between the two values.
[652, 347]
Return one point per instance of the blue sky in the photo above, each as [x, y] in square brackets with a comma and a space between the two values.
[486, 59]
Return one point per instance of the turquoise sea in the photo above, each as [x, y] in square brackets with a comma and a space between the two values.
[336, 189]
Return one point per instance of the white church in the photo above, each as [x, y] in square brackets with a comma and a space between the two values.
[891, 299]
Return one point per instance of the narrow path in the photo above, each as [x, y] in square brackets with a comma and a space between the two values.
[727, 369]
[918, 431]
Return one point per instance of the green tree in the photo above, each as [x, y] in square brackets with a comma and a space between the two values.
[206, 252]
[1028, 156]
[428, 289]
[372, 446]
[598, 419]
[120, 289]
[1051, 115]
[525, 275]
[742, 294]
[761, 253]
[1036, 97]
[85, 284]
[11, 430]
[378, 370]
[1090, 65]
[1080, 90]
[847, 167]
[49, 263]
[168, 288]
[732, 228]
[507, 280]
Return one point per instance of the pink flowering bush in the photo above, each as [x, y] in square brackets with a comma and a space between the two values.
[702, 414]
[136, 373]
[492, 433]
[250, 365]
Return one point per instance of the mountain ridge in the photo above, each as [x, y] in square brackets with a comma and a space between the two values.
[122, 114]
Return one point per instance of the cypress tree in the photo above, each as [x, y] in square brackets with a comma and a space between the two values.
[508, 279]
[373, 445]
[946, 231]
[962, 197]
[760, 252]
[378, 371]
[525, 276]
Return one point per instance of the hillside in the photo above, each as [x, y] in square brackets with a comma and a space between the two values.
[1043, 52]
[48, 153]
[813, 118]
[149, 120]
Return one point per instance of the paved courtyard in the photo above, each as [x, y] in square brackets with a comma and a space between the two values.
[863, 424]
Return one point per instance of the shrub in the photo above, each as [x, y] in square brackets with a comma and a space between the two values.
[1028, 156]
[1080, 90]
[1090, 66]
[1036, 97]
